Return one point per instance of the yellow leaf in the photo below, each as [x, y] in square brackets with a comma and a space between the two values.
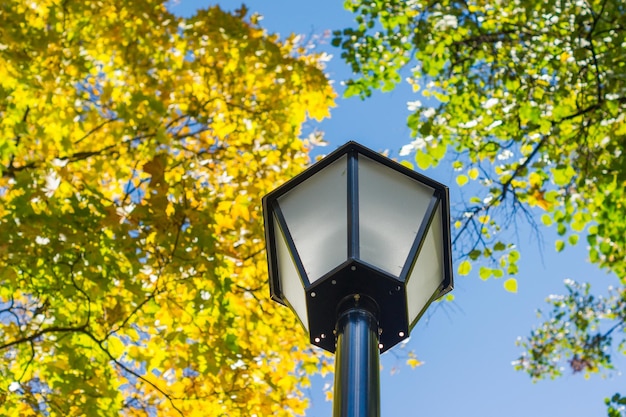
[464, 268]
[224, 206]
[407, 164]
[151, 238]
[526, 149]
[537, 199]
[240, 210]
[413, 362]
[115, 346]
[510, 285]
[535, 180]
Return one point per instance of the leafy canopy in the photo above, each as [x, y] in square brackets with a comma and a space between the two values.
[134, 148]
[527, 100]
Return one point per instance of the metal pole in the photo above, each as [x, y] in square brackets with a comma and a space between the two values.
[357, 369]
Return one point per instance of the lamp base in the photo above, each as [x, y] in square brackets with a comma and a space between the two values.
[326, 300]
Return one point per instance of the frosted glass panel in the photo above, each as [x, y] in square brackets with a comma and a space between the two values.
[391, 209]
[290, 282]
[316, 213]
[427, 275]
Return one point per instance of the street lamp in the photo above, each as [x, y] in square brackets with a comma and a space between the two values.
[358, 247]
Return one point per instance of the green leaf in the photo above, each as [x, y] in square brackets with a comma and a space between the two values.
[231, 343]
[424, 161]
[573, 239]
[473, 173]
[499, 246]
[510, 285]
[546, 219]
[484, 273]
[438, 151]
[605, 248]
[559, 244]
[464, 268]
[563, 175]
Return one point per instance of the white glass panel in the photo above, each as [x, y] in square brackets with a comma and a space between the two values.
[391, 209]
[290, 283]
[427, 274]
[316, 212]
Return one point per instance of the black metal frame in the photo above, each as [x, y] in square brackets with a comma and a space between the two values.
[353, 204]
[355, 276]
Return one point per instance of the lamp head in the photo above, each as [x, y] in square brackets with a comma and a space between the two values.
[357, 225]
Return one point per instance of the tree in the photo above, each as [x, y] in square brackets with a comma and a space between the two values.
[529, 102]
[134, 149]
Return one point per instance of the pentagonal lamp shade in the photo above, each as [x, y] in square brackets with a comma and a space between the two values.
[358, 224]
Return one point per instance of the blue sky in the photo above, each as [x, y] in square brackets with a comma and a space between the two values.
[467, 345]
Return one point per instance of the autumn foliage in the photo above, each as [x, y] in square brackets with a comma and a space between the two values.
[135, 146]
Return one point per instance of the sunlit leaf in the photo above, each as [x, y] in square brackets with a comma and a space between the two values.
[464, 268]
[559, 245]
[510, 285]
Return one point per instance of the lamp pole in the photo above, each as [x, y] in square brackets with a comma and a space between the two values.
[357, 369]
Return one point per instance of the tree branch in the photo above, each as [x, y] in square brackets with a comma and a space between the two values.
[53, 329]
[133, 373]
[95, 129]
